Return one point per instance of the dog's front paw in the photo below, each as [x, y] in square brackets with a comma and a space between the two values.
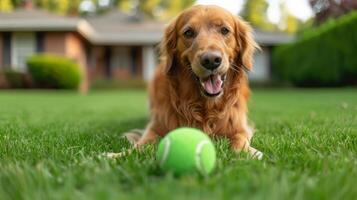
[257, 155]
[133, 136]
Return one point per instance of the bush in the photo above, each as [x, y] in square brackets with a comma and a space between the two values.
[50, 71]
[15, 79]
[323, 56]
[3, 81]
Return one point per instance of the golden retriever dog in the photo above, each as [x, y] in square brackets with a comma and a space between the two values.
[201, 81]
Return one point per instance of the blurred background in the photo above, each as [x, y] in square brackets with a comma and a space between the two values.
[101, 44]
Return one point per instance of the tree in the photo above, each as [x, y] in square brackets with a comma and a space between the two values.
[172, 7]
[325, 9]
[16, 3]
[163, 9]
[73, 8]
[288, 22]
[124, 5]
[62, 6]
[255, 11]
[5, 6]
[45, 4]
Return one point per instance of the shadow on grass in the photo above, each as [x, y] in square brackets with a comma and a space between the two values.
[108, 133]
[118, 127]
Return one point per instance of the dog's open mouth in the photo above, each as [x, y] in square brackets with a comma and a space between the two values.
[212, 85]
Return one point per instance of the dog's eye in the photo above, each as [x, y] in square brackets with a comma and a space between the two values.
[189, 33]
[224, 31]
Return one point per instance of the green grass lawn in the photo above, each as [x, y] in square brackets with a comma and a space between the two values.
[50, 144]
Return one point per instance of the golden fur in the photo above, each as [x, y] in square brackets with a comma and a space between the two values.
[175, 97]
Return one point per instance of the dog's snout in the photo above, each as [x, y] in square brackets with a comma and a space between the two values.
[211, 60]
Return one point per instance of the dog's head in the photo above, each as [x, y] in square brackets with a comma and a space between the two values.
[211, 43]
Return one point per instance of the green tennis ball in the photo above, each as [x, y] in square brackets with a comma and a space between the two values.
[186, 150]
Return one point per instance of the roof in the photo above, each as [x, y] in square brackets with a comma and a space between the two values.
[116, 27]
[112, 28]
[28, 20]
[271, 38]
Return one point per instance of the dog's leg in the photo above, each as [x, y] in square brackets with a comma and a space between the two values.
[149, 136]
[134, 135]
[241, 142]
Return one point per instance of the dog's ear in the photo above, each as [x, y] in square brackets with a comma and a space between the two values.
[246, 45]
[168, 47]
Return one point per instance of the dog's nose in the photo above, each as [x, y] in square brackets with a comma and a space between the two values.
[211, 60]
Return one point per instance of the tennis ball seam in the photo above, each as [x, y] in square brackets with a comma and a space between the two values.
[199, 164]
[165, 154]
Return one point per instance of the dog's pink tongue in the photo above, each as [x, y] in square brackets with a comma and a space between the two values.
[213, 85]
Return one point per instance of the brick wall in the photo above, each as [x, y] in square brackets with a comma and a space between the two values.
[75, 49]
[121, 74]
[54, 43]
[3, 81]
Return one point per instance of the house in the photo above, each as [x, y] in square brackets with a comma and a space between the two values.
[112, 46]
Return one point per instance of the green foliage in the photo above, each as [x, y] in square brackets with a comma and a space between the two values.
[16, 3]
[160, 9]
[62, 7]
[51, 71]
[163, 9]
[172, 7]
[324, 56]
[255, 11]
[6, 6]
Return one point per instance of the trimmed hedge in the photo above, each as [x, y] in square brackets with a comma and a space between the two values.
[50, 71]
[323, 56]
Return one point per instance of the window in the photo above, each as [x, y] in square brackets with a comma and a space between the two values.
[23, 46]
[121, 58]
[6, 49]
